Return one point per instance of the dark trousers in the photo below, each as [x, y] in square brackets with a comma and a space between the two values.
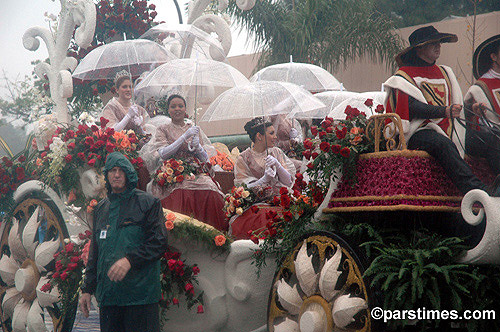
[134, 318]
[484, 144]
[446, 154]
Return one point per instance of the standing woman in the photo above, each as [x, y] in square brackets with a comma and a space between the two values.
[262, 167]
[198, 197]
[120, 111]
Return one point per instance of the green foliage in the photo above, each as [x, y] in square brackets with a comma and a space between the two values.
[324, 32]
[413, 12]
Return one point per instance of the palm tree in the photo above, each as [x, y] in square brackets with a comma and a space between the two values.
[324, 32]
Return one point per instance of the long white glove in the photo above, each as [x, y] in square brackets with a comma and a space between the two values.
[132, 113]
[199, 151]
[169, 150]
[269, 175]
[283, 175]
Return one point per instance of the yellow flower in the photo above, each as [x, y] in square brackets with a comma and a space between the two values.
[169, 171]
[245, 194]
[239, 211]
[180, 168]
[170, 179]
[39, 162]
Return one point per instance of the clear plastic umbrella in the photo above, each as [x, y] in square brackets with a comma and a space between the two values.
[337, 112]
[199, 80]
[135, 56]
[309, 76]
[265, 98]
[186, 41]
[378, 96]
[331, 99]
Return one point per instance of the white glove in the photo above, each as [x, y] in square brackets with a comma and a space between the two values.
[195, 130]
[137, 120]
[271, 161]
[269, 174]
[195, 143]
[133, 111]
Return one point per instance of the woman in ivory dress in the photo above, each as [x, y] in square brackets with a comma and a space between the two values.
[120, 111]
[263, 167]
[199, 197]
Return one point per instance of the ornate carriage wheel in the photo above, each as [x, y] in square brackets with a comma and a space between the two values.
[319, 288]
[34, 233]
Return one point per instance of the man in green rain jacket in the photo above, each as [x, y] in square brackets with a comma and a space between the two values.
[123, 269]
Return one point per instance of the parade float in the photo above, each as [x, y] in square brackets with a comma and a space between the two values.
[358, 229]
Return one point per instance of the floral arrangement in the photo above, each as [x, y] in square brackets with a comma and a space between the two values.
[68, 273]
[183, 227]
[177, 279]
[13, 172]
[223, 161]
[175, 171]
[238, 200]
[75, 148]
[336, 145]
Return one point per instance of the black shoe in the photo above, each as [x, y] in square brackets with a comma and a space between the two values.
[494, 188]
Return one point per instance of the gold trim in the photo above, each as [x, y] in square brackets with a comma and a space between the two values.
[397, 153]
[400, 207]
[393, 197]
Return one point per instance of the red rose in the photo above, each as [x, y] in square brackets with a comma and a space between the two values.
[285, 201]
[314, 130]
[306, 154]
[81, 155]
[254, 209]
[329, 129]
[21, 159]
[171, 264]
[345, 152]
[104, 122]
[314, 155]
[68, 158]
[308, 144]
[153, 14]
[152, 6]
[110, 147]
[326, 123]
[322, 134]
[175, 301]
[174, 163]
[94, 128]
[91, 162]
[179, 178]
[324, 146]
[276, 201]
[71, 145]
[75, 259]
[200, 309]
[69, 247]
[189, 288]
[89, 140]
[379, 108]
[369, 102]
[341, 133]
[196, 270]
[72, 266]
[310, 165]
[283, 190]
[288, 216]
[47, 287]
[64, 276]
[56, 275]
[336, 148]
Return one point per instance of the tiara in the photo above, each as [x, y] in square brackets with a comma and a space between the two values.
[120, 74]
[259, 122]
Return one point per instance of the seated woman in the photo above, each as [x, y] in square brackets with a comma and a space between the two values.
[178, 139]
[288, 133]
[121, 112]
[263, 168]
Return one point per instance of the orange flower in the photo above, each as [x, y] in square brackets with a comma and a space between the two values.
[90, 209]
[122, 140]
[171, 216]
[220, 240]
[356, 140]
[356, 130]
[169, 225]
[93, 203]
[71, 196]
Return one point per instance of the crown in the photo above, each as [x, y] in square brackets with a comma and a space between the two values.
[120, 74]
[259, 122]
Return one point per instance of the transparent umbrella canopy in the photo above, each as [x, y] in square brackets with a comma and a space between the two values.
[265, 98]
[186, 41]
[135, 56]
[337, 112]
[330, 99]
[310, 77]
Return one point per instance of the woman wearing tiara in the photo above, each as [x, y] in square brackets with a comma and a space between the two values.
[179, 139]
[262, 168]
[121, 112]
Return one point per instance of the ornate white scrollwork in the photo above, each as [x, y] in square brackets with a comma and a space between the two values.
[215, 24]
[74, 13]
[488, 249]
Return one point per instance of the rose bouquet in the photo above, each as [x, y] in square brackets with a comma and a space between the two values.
[238, 200]
[175, 171]
[13, 172]
[223, 161]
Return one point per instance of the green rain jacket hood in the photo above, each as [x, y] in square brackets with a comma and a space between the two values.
[128, 224]
[116, 159]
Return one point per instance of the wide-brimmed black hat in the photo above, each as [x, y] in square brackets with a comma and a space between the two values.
[422, 36]
[481, 60]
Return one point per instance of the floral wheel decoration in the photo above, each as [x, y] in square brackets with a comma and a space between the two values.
[319, 288]
[30, 239]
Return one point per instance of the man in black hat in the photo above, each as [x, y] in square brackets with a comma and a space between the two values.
[428, 98]
[482, 138]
